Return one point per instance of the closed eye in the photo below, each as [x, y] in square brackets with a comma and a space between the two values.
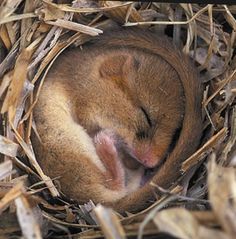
[142, 134]
[146, 116]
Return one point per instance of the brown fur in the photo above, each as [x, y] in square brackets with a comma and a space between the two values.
[91, 117]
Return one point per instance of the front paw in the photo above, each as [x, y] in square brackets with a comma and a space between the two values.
[107, 152]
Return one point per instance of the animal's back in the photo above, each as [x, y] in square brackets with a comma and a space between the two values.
[121, 85]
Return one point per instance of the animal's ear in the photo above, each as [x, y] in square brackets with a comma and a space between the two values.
[118, 66]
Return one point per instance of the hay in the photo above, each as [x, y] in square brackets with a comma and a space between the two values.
[32, 35]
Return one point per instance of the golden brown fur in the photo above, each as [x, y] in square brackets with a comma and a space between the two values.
[118, 101]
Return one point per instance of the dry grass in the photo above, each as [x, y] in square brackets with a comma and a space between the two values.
[32, 35]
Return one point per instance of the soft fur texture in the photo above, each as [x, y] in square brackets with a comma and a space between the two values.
[107, 111]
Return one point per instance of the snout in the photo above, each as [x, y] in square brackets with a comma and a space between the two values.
[147, 158]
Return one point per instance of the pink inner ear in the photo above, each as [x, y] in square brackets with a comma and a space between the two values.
[116, 65]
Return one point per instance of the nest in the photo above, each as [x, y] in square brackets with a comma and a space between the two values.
[32, 35]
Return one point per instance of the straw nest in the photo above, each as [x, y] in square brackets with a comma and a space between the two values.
[32, 35]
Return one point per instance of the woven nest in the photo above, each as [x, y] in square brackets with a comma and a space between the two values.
[32, 35]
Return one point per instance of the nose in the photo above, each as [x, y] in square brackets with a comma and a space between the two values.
[149, 161]
[147, 158]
